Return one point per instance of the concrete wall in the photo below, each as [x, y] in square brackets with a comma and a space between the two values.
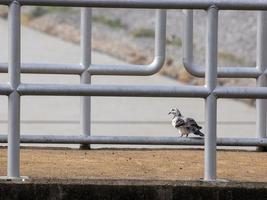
[130, 190]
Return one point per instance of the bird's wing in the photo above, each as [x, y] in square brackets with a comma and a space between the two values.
[177, 122]
[192, 123]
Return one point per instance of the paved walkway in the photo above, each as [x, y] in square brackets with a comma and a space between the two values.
[110, 115]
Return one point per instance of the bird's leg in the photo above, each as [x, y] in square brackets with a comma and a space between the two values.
[187, 135]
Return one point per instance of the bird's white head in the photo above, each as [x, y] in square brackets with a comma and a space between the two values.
[175, 112]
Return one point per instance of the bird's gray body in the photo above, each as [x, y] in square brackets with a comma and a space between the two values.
[185, 125]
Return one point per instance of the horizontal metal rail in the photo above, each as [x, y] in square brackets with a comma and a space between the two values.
[46, 68]
[151, 4]
[133, 90]
[134, 140]
[112, 90]
[141, 91]
[5, 89]
[223, 72]
[137, 70]
[129, 70]
[241, 92]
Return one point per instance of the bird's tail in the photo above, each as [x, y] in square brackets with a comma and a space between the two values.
[198, 132]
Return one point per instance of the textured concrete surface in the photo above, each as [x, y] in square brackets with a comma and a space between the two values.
[130, 190]
[110, 115]
[150, 164]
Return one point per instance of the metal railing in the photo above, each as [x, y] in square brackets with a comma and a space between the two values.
[210, 92]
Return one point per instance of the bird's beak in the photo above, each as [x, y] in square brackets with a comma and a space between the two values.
[169, 113]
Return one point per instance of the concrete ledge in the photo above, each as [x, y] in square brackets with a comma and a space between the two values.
[130, 190]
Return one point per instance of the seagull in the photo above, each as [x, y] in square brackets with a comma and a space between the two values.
[185, 125]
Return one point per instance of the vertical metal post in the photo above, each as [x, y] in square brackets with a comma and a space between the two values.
[13, 166]
[188, 36]
[261, 104]
[160, 33]
[86, 14]
[211, 101]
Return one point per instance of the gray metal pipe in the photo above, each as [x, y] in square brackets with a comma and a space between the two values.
[199, 71]
[140, 91]
[140, 70]
[128, 70]
[261, 104]
[223, 72]
[112, 90]
[86, 28]
[5, 2]
[241, 92]
[13, 161]
[211, 101]
[5, 89]
[155, 4]
[135, 140]
[46, 68]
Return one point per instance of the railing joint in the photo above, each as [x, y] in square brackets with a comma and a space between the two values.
[15, 2]
[214, 6]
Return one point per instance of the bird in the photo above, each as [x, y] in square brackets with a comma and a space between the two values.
[185, 125]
